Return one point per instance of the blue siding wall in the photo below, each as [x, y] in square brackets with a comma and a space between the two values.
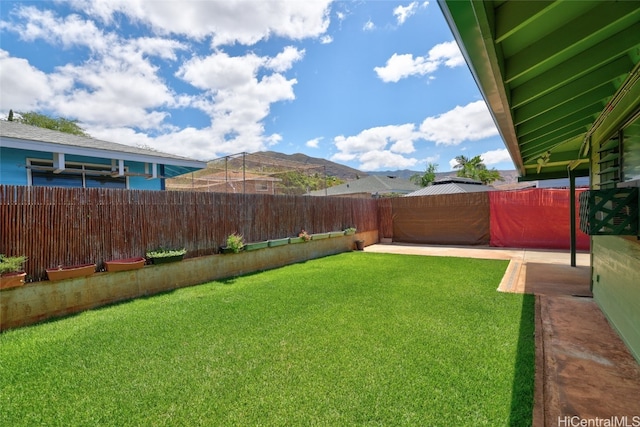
[13, 172]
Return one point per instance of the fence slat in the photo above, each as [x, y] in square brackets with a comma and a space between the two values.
[54, 226]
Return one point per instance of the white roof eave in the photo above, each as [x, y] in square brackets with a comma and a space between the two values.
[50, 147]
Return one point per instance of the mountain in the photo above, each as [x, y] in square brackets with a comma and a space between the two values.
[348, 173]
[333, 169]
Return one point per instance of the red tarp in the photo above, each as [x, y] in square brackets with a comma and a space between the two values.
[537, 218]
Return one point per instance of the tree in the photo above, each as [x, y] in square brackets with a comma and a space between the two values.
[427, 177]
[296, 182]
[10, 118]
[60, 124]
[475, 168]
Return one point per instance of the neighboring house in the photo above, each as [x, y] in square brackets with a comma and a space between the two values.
[35, 156]
[562, 82]
[226, 182]
[370, 186]
[452, 185]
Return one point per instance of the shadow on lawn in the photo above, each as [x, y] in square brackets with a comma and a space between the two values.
[524, 378]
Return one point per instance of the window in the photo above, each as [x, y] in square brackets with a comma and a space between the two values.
[631, 150]
[609, 162]
[75, 175]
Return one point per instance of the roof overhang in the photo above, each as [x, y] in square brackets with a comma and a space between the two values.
[554, 74]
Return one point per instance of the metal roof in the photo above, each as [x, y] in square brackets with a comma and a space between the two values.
[450, 188]
[371, 184]
[554, 74]
[27, 137]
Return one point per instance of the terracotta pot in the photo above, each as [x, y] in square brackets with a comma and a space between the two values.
[12, 280]
[125, 264]
[360, 245]
[71, 271]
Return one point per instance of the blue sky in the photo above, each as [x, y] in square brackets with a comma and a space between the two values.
[376, 85]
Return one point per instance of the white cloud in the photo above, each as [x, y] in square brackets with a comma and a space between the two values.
[388, 146]
[225, 22]
[495, 156]
[452, 163]
[402, 66]
[116, 86]
[220, 71]
[285, 59]
[313, 143]
[369, 26]
[237, 101]
[326, 39]
[405, 65]
[402, 13]
[384, 159]
[469, 123]
[23, 87]
[432, 159]
[383, 146]
[448, 53]
[68, 31]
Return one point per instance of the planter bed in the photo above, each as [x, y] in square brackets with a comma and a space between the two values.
[319, 236]
[167, 259]
[297, 240]
[336, 234]
[71, 271]
[12, 280]
[125, 264]
[255, 246]
[278, 242]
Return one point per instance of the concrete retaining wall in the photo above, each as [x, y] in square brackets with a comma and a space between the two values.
[43, 300]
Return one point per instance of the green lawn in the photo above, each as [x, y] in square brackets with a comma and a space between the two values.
[352, 339]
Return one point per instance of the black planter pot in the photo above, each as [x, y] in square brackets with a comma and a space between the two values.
[167, 259]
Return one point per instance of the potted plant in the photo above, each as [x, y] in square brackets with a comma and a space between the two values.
[349, 231]
[124, 264]
[235, 243]
[62, 272]
[303, 237]
[162, 256]
[11, 274]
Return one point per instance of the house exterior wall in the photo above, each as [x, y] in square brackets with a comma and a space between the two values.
[616, 285]
[616, 259]
[13, 171]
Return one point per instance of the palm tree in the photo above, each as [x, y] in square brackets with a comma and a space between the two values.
[475, 168]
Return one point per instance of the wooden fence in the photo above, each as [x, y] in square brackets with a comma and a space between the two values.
[62, 226]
